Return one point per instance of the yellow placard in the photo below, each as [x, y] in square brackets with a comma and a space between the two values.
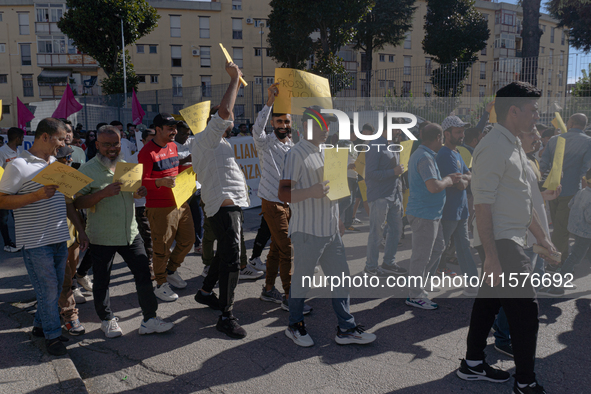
[69, 180]
[184, 186]
[196, 116]
[559, 123]
[405, 153]
[553, 179]
[493, 116]
[360, 164]
[0, 109]
[363, 189]
[130, 175]
[311, 88]
[1, 172]
[466, 156]
[405, 196]
[229, 59]
[335, 171]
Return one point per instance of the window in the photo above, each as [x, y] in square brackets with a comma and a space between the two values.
[28, 85]
[268, 52]
[0, 17]
[562, 58]
[258, 80]
[559, 78]
[140, 48]
[483, 52]
[42, 14]
[239, 110]
[177, 86]
[427, 89]
[237, 29]
[203, 27]
[541, 71]
[468, 88]
[382, 83]
[427, 66]
[270, 80]
[391, 58]
[562, 40]
[237, 56]
[407, 60]
[407, 42]
[543, 29]
[153, 78]
[482, 70]
[382, 58]
[205, 56]
[259, 23]
[175, 53]
[542, 49]
[206, 85]
[236, 4]
[142, 78]
[258, 108]
[25, 54]
[257, 52]
[176, 108]
[481, 91]
[153, 48]
[175, 26]
[551, 56]
[485, 17]
[552, 35]
[3, 78]
[550, 76]
[5, 108]
[240, 92]
[2, 48]
[406, 89]
[72, 50]
[23, 24]
[51, 44]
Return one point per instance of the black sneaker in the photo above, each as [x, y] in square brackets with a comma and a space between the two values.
[394, 269]
[482, 372]
[533, 388]
[505, 349]
[38, 332]
[211, 300]
[55, 347]
[230, 327]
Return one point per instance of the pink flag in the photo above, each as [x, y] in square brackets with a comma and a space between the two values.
[23, 113]
[68, 105]
[137, 112]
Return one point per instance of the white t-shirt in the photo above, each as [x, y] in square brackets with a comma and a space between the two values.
[7, 154]
[43, 222]
[184, 150]
[538, 203]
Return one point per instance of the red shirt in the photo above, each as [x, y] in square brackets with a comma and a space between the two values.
[158, 162]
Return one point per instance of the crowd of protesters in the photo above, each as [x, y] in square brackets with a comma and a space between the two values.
[498, 196]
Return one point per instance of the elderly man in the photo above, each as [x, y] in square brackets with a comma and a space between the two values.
[112, 229]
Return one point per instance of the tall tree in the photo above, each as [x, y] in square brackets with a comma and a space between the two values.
[454, 33]
[95, 27]
[386, 23]
[531, 35]
[576, 15]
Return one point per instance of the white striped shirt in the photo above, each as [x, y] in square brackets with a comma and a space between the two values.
[271, 155]
[43, 222]
[304, 165]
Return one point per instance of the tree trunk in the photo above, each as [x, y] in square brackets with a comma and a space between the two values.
[531, 41]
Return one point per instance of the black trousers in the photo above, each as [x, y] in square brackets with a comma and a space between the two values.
[136, 259]
[263, 236]
[226, 225]
[143, 226]
[521, 308]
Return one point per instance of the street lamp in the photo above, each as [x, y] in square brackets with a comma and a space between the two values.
[124, 66]
[262, 24]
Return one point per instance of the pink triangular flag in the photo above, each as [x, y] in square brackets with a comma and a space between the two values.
[23, 114]
[68, 105]
[137, 112]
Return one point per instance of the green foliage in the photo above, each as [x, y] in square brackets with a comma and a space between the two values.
[477, 112]
[583, 85]
[113, 84]
[454, 33]
[576, 15]
[95, 27]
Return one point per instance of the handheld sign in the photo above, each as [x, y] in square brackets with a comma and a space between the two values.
[69, 180]
[196, 116]
[405, 153]
[229, 59]
[363, 189]
[130, 175]
[335, 171]
[184, 186]
[559, 123]
[1, 172]
[360, 165]
[553, 179]
[311, 88]
[466, 156]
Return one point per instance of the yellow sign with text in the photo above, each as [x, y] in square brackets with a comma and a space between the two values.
[130, 175]
[184, 186]
[363, 189]
[196, 116]
[300, 84]
[69, 180]
[405, 153]
[360, 164]
[553, 179]
[335, 171]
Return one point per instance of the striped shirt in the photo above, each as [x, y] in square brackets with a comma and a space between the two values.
[271, 155]
[43, 222]
[304, 165]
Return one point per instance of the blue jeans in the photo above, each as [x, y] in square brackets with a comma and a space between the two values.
[576, 255]
[46, 266]
[329, 252]
[459, 230]
[390, 211]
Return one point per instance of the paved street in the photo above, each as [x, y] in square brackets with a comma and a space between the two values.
[417, 351]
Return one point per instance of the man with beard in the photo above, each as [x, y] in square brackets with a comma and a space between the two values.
[455, 211]
[112, 228]
[168, 223]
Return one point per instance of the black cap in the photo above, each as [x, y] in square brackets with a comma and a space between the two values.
[63, 152]
[315, 109]
[164, 119]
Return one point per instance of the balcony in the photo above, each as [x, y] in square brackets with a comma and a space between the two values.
[47, 28]
[350, 66]
[55, 92]
[499, 28]
[503, 52]
[65, 59]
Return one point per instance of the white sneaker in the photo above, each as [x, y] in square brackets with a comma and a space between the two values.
[258, 264]
[85, 282]
[249, 272]
[175, 280]
[423, 303]
[11, 249]
[298, 334]
[470, 291]
[78, 296]
[154, 324]
[111, 328]
[354, 335]
[205, 271]
[165, 293]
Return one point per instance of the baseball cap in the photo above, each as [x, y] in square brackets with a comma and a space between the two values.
[315, 110]
[164, 119]
[453, 121]
[63, 152]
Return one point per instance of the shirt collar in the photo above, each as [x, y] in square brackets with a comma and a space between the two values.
[310, 146]
[576, 130]
[428, 150]
[32, 158]
[509, 135]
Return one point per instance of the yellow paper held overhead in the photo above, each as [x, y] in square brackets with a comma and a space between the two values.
[69, 180]
[229, 59]
[466, 156]
[130, 175]
[553, 179]
[559, 123]
[0, 109]
[310, 88]
[405, 153]
[360, 164]
[184, 186]
[335, 171]
[196, 116]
